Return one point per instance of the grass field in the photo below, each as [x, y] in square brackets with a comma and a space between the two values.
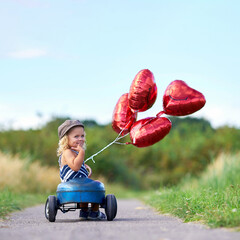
[213, 198]
[10, 201]
[24, 184]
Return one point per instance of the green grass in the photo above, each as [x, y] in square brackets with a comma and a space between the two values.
[10, 201]
[213, 198]
[122, 192]
[23, 184]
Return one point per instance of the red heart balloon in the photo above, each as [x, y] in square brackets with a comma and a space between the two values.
[143, 91]
[148, 131]
[180, 100]
[123, 117]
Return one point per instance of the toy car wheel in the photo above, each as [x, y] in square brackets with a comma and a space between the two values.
[51, 208]
[111, 207]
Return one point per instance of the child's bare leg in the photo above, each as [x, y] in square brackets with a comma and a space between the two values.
[84, 206]
[94, 207]
[83, 214]
[95, 214]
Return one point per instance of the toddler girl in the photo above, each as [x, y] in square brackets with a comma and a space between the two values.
[71, 152]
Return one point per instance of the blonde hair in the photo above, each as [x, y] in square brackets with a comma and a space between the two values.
[63, 144]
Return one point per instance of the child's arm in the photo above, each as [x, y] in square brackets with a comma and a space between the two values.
[73, 161]
[89, 170]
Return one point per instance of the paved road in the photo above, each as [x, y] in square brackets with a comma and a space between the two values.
[134, 221]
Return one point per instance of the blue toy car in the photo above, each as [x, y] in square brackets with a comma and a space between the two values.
[80, 190]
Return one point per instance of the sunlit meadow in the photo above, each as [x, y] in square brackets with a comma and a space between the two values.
[213, 198]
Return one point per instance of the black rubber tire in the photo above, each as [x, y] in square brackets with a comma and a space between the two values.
[51, 208]
[111, 207]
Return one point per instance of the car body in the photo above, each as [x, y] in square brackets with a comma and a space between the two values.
[71, 194]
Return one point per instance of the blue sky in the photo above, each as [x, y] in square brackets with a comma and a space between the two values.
[77, 57]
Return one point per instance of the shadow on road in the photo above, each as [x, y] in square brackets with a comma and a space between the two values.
[115, 220]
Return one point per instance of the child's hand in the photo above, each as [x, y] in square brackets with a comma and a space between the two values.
[78, 148]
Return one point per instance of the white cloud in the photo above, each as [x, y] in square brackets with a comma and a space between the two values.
[31, 121]
[27, 53]
[24, 122]
[18, 117]
[220, 115]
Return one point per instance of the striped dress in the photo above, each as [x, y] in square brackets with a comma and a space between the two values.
[66, 173]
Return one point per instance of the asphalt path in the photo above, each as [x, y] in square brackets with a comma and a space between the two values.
[134, 220]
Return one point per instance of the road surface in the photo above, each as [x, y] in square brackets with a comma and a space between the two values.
[134, 220]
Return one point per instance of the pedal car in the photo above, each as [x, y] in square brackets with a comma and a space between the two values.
[80, 190]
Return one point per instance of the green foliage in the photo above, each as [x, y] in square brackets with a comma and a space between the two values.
[7, 203]
[212, 198]
[189, 147]
[10, 201]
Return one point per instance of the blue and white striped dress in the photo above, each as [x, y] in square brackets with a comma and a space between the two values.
[66, 173]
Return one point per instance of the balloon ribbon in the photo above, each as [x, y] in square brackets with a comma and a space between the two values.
[114, 141]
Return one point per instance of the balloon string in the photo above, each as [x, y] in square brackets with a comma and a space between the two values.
[114, 141]
[160, 113]
[120, 143]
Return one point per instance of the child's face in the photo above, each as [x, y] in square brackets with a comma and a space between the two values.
[76, 136]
